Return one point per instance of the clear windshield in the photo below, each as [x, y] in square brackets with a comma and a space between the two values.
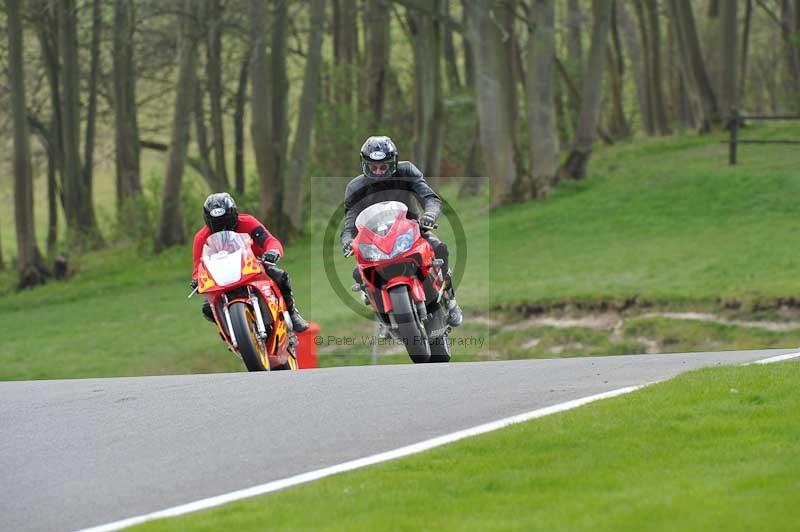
[222, 256]
[380, 217]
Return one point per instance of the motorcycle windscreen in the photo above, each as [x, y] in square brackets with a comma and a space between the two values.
[222, 256]
[380, 217]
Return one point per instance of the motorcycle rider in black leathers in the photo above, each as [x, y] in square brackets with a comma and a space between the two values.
[386, 179]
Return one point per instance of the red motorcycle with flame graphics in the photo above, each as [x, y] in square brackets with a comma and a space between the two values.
[248, 307]
[402, 280]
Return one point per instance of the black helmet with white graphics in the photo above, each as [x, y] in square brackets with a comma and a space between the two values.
[220, 213]
[378, 157]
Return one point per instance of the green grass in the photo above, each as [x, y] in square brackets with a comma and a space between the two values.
[662, 220]
[715, 449]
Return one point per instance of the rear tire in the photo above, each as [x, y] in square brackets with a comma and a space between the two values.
[408, 330]
[253, 350]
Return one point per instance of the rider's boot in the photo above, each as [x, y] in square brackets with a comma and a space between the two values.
[299, 323]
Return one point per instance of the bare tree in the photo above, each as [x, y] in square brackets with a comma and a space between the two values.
[29, 260]
[451, 61]
[269, 127]
[298, 162]
[618, 123]
[172, 230]
[426, 40]
[213, 21]
[748, 17]
[238, 121]
[378, 44]
[493, 77]
[539, 105]
[729, 56]
[694, 65]
[790, 31]
[574, 63]
[77, 184]
[580, 151]
[126, 127]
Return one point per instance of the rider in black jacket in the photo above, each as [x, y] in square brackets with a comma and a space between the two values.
[386, 179]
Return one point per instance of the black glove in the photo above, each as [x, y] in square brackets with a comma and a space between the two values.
[347, 248]
[427, 221]
[193, 284]
[271, 257]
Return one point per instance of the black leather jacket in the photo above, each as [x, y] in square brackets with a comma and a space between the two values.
[406, 185]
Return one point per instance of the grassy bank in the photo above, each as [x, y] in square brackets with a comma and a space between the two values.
[714, 449]
[664, 223]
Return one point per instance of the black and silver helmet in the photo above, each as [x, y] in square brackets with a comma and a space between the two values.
[219, 212]
[378, 157]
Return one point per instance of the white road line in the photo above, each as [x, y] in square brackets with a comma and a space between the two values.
[381, 457]
[779, 358]
[359, 463]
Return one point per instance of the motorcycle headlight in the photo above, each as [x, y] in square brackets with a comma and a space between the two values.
[403, 243]
[371, 253]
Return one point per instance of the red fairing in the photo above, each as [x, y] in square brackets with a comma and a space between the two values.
[263, 240]
[421, 253]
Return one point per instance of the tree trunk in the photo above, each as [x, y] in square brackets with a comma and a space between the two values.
[126, 128]
[618, 127]
[660, 121]
[269, 127]
[648, 115]
[473, 170]
[47, 29]
[469, 56]
[453, 79]
[493, 77]
[214, 15]
[29, 260]
[562, 128]
[238, 122]
[790, 30]
[172, 230]
[748, 15]
[378, 45]
[298, 162]
[728, 55]
[539, 105]
[91, 107]
[203, 161]
[426, 39]
[574, 61]
[683, 17]
[79, 209]
[634, 50]
[580, 151]
[345, 29]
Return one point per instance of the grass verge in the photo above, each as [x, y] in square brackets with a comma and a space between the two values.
[716, 448]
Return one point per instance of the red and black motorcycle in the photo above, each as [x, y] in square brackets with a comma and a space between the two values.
[402, 280]
[248, 307]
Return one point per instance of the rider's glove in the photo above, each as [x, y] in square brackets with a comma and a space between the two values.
[347, 248]
[193, 284]
[427, 221]
[271, 257]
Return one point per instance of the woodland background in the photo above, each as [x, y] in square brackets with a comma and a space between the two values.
[118, 117]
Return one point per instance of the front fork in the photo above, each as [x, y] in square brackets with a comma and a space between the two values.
[260, 328]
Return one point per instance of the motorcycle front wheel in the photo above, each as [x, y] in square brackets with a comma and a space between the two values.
[253, 351]
[408, 330]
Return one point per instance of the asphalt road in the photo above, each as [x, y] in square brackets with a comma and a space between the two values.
[79, 453]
